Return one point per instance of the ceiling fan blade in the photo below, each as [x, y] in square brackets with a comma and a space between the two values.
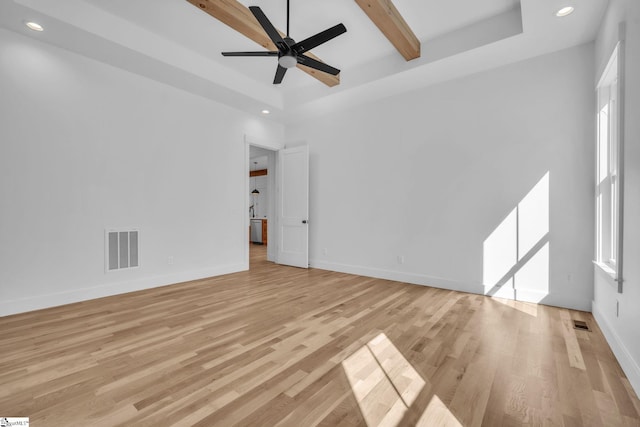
[279, 75]
[310, 62]
[262, 53]
[268, 27]
[318, 39]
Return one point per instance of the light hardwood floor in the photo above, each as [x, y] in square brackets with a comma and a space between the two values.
[292, 347]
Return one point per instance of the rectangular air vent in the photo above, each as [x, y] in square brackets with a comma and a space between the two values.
[580, 325]
[121, 249]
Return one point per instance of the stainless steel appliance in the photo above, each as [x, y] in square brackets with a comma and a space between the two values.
[256, 231]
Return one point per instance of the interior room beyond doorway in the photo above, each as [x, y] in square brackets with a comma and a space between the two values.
[261, 170]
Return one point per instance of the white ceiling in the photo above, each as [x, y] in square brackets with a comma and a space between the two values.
[174, 42]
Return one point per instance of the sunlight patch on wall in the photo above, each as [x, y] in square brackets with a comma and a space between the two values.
[533, 217]
[534, 275]
[500, 250]
[516, 253]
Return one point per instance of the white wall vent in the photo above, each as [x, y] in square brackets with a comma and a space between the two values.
[121, 249]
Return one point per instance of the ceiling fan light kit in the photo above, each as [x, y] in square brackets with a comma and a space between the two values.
[287, 61]
[289, 52]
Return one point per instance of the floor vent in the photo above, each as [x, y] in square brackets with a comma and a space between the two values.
[122, 249]
[579, 324]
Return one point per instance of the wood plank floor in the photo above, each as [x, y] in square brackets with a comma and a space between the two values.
[291, 347]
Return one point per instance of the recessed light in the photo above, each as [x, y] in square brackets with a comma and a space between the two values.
[565, 11]
[265, 112]
[34, 26]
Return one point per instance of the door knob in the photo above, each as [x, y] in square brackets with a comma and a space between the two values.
[304, 221]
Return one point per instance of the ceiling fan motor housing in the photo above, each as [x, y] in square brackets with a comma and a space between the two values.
[288, 58]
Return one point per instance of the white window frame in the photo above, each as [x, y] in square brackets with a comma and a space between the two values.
[609, 166]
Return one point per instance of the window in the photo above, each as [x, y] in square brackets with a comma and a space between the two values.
[608, 170]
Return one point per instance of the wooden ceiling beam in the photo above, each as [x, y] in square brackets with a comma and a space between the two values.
[239, 17]
[384, 14]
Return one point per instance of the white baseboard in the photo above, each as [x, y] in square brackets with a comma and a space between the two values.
[399, 276]
[22, 305]
[528, 295]
[628, 364]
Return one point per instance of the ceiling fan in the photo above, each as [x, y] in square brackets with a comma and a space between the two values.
[289, 52]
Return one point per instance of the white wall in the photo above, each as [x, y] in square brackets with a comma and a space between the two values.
[430, 175]
[622, 331]
[85, 146]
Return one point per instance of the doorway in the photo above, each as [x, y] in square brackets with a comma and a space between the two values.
[262, 245]
[284, 206]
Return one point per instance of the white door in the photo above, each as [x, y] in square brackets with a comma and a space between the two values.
[293, 206]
